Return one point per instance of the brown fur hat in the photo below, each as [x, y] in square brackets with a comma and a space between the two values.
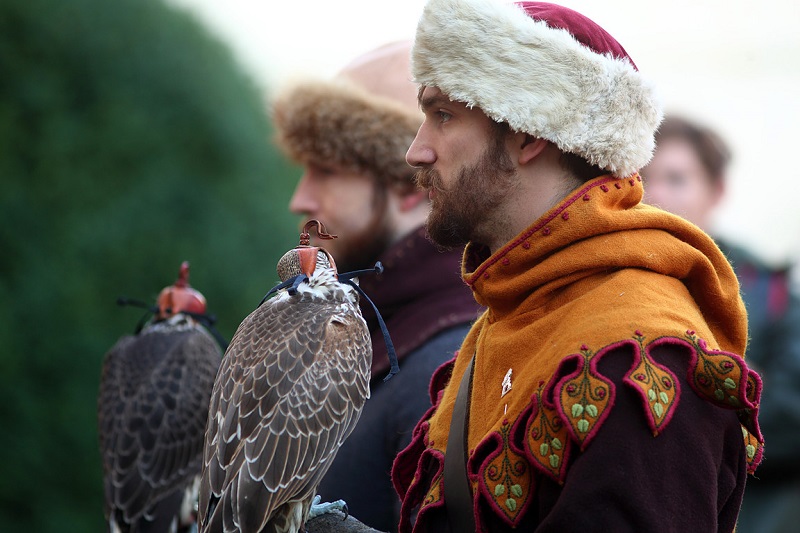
[338, 122]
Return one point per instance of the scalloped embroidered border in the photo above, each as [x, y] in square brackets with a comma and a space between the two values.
[571, 408]
[573, 405]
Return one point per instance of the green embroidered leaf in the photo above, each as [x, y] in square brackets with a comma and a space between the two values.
[583, 425]
[511, 503]
[577, 410]
[729, 384]
[663, 397]
[719, 395]
[556, 443]
[733, 400]
[659, 409]
[751, 451]
[554, 460]
[499, 489]
[591, 410]
[745, 433]
[516, 490]
[651, 394]
[544, 449]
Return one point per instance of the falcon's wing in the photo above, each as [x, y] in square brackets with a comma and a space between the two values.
[152, 410]
[290, 390]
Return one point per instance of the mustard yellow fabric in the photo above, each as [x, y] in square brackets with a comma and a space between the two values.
[598, 271]
[591, 272]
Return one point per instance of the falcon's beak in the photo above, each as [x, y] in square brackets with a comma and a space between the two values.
[308, 260]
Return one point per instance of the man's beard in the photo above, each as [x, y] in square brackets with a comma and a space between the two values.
[459, 215]
[359, 251]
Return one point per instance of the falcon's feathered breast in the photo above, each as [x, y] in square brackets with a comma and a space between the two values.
[290, 390]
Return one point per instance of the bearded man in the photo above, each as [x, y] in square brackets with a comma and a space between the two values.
[351, 134]
[604, 388]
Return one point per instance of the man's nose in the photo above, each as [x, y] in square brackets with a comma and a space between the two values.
[420, 153]
[303, 200]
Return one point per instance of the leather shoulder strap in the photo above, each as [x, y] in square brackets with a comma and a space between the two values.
[457, 493]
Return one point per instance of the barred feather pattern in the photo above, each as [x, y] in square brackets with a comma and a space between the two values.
[152, 408]
[290, 390]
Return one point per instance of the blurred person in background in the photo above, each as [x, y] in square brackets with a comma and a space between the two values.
[687, 177]
[351, 134]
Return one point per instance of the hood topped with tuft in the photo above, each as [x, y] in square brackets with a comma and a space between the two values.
[545, 70]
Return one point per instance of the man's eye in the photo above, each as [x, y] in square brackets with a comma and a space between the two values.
[444, 116]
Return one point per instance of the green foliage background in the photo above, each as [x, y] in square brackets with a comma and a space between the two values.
[129, 141]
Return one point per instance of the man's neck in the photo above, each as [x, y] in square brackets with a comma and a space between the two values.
[534, 196]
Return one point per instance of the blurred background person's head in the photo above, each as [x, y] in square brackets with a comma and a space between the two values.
[687, 173]
[350, 135]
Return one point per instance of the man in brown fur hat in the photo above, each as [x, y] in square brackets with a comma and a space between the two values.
[604, 388]
[351, 134]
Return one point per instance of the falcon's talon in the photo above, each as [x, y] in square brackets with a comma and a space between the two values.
[319, 508]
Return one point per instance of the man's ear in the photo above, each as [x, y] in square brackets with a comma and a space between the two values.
[529, 147]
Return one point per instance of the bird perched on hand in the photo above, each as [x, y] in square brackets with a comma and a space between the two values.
[152, 409]
[290, 390]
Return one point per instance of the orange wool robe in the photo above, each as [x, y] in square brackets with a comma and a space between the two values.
[604, 309]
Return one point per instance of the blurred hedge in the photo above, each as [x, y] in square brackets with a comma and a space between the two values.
[130, 140]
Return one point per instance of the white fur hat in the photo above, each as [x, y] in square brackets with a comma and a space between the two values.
[545, 70]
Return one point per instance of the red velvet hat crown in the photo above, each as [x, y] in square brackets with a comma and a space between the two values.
[582, 28]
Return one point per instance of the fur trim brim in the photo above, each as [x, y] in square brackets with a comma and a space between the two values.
[539, 80]
[335, 121]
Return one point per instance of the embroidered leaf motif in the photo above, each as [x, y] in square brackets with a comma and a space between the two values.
[717, 375]
[754, 450]
[505, 474]
[547, 440]
[751, 451]
[753, 388]
[724, 379]
[585, 395]
[434, 494]
[656, 385]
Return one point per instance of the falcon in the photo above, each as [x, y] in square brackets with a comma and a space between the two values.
[289, 391]
[152, 408]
